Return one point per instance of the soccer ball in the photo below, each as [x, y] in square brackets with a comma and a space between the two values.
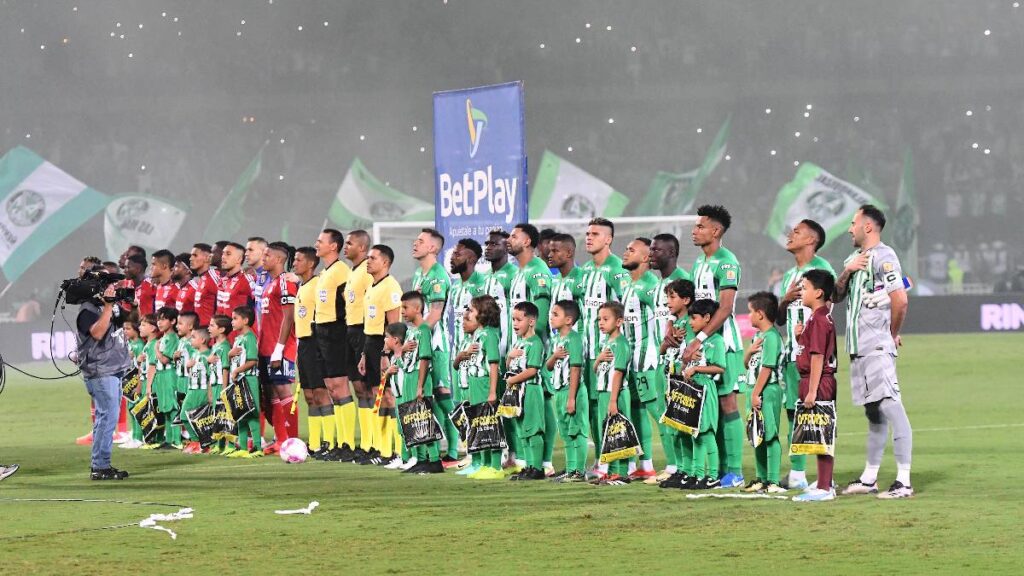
[294, 451]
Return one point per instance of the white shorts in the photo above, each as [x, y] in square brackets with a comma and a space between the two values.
[873, 378]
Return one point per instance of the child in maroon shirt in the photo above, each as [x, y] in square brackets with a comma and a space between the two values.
[816, 363]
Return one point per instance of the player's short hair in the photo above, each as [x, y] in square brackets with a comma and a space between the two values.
[681, 287]
[599, 221]
[165, 256]
[222, 321]
[136, 249]
[310, 254]
[717, 213]
[203, 333]
[548, 234]
[766, 303]
[819, 232]
[397, 330]
[336, 237]
[246, 313]
[147, 319]
[137, 259]
[286, 249]
[236, 246]
[822, 280]
[571, 310]
[259, 239]
[529, 309]
[203, 247]
[670, 239]
[220, 244]
[703, 307]
[167, 313]
[875, 213]
[414, 295]
[567, 238]
[191, 316]
[616, 308]
[361, 235]
[498, 232]
[184, 258]
[385, 251]
[531, 232]
[487, 311]
[435, 235]
[472, 245]
[643, 240]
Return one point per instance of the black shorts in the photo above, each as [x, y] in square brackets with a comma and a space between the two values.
[356, 340]
[310, 365]
[373, 349]
[332, 340]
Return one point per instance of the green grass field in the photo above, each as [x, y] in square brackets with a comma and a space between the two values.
[962, 394]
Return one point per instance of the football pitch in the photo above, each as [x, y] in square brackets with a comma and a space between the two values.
[962, 394]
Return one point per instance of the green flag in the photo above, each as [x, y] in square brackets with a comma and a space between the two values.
[676, 193]
[363, 199]
[563, 190]
[41, 205]
[814, 193]
[903, 230]
[228, 219]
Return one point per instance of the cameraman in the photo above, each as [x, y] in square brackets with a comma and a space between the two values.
[103, 358]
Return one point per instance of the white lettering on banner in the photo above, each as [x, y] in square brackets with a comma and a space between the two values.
[464, 197]
[62, 344]
[1002, 317]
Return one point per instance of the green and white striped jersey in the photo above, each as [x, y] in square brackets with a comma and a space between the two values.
[462, 294]
[532, 283]
[434, 285]
[712, 275]
[796, 312]
[868, 306]
[641, 323]
[566, 288]
[661, 313]
[599, 284]
[497, 285]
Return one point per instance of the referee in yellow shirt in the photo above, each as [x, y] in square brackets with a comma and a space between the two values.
[309, 363]
[357, 245]
[382, 306]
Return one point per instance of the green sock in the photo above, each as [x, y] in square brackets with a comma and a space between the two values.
[535, 451]
[699, 450]
[512, 437]
[433, 451]
[550, 428]
[796, 463]
[711, 447]
[774, 459]
[685, 450]
[644, 428]
[243, 434]
[570, 453]
[761, 461]
[477, 460]
[595, 427]
[495, 459]
[734, 439]
[443, 406]
[581, 453]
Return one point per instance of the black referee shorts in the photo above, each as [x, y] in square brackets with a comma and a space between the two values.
[373, 349]
[331, 338]
[356, 341]
[310, 364]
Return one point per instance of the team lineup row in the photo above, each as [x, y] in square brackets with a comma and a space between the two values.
[576, 343]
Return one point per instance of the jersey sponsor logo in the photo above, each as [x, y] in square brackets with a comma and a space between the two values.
[351, 297]
[302, 311]
[322, 294]
[371, 311]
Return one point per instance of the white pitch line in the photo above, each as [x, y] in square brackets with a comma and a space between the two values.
[948, 429]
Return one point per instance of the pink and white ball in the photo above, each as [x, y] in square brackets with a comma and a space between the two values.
[294, 451]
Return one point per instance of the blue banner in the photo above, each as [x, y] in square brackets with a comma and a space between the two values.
[479, 161]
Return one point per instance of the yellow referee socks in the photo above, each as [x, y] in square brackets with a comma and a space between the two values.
[313, 423]
[327, 424]
[345, 413]
[387, 436]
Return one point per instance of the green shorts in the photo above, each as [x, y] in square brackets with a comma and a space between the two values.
[531, 422]
[646, 384]
[791, 390]
[440, 371]
[164, 387]
[709, 412]
[588, 379]
[193, 399]
[729, 382]
[578, 423]
[771, 409]
[604, 398]
[181, 385]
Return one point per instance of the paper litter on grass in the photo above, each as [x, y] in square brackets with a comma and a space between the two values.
[151, 522]
[307, 510]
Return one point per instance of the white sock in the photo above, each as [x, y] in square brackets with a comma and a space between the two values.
[797, 476]
[548, 465]
[603, 468]
[647, 465]
[670, 469]
[870, 475]
[520, 463]
[632, 467]
[903, 474]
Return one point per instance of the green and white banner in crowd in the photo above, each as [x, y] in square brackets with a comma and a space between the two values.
[903, 228]
[563, 190]
[146, 221]
[227, 221]
[363, 199]
[814, 193]
[41, 205]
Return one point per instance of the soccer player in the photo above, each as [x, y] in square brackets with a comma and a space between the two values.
[418, 381]
[164, 382]
[705, 369]
[244, 357]
[567, 276]
[766, 356]
[472, 283]
[872, 278]
[432, 281]
[145, 294]
[716, 276]
[234, 290]
[331, 331]
[382, 306]
[525, 360]
[645, 374]
[803, 242]
[165, 291]
[610, 367]
[309, 363]
[479, 363]
[817, 365]
[679, 296]
[220, 361]
[255, 272]
[603, 279]
[544, 244]
[276, 342]
[565, 361]
[199, 392]
[207, 279]
[181, 275]
[499, 280]
[356, 248]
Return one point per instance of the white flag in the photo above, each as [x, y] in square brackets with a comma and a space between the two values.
[145, 221]
[363, 199]
[563, 190]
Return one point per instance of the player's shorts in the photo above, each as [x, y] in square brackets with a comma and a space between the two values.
[531, 422]
[373, 348]
[283, 374]
[826, 388]
[644, 385]
[441, 370]
[790, 385]
[734, 368]
[771, 409]
[588, 379]
[709, 411]
[355, 340]
[578, 423]
[309, 364]
[332, 338]
[873, 378]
